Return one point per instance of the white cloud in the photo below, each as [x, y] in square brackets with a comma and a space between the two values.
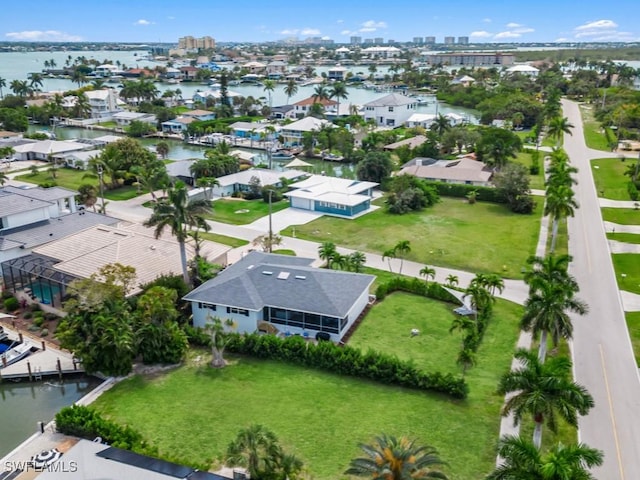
[508, 34]
[171, 18]
[346, 32]
[524, 30]
[310, 31]
[480, 34]
[367, 29]
[513, 25]
[598, 24]
[143, 22]
[46, 35]
[486, 20]
[289, 31]
[561, 40]
[339, 21]
[372, 26]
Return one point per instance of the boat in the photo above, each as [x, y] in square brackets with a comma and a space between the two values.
[282, 155]
[330, 157]
[3, 337]
[15, 354]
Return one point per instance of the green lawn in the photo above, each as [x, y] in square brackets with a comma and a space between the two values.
[482, 237]
[322, 417]
[562, 242]
[535, 181]
[285, 251]
[627, 267]
[633, 324]
[608, 174]
[72, 179]
[623, 216]
[594, 135]
[223, 239]
[241, 212]
[624, 237]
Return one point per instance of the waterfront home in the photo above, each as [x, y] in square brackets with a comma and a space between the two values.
[302, 108]
[177, 126]
[342, 52]
[381, 52]
[426, 120]
[80, 160]
[464, 80]
[292, 133]
[212, 95]
[253, 130]
[46, 150]
[463, 170]
[337, 73]
[255, 67]
[281, 112]
[340, 197]
[285, 292]
[106, 70]
[392, 110]
[103, 103]
[189, 73]
[124, 119]
[199, 115]
[523, 69]
[276, 69]
[413, 142]
[243, 180]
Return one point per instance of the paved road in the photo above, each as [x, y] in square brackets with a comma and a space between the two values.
[602, 353]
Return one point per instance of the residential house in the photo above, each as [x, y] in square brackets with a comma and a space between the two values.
[337, 73]
[255, 67]
[283, 292]
[177, 126]
[252, 130]
[426, 120]
[464, 80]
[212, 95]
[106, 70]
[124, 119]
[382, 52]
[392, 110]
[292, 133]
[413, 142]
[242, 181]
[200, 115]
[463, 170]
[333, 196]
[46, 150]
[189, 73]
[276, 69]
[523, 69]
[342, 52]
[281, 112]
[104, 103]
[302, 108]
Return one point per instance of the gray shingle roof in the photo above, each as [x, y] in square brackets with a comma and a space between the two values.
[10, 203]
[261, 279]
[51, 194]
[391, 100]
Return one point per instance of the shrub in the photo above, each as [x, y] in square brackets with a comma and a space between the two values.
[44, 332]
[11, 304]
[27, 315]
[485, 194]
[38, 321]
[49, 316]
[35, 307]
[346, 361]
[33, 328]
[633, 191]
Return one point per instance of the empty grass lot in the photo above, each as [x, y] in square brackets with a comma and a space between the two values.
[223, 239]
[608, 174]
[633, 324]
[322, 417]
[72, 179]
[241, 212]
[627, 264]
[535, 181]
[623, 216]
[594, 135]
[624, 237]
[477, 238]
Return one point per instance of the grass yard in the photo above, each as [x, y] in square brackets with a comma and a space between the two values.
[536, 181]
[322, 417]
[627, 267]
[624, 237]
[241, 212]
[285, 251]
[223, 239]
[608, 174]
[633, 324]
[72, 179]
[623, 216]
[562, 241]
[482, 237]
[594, 135]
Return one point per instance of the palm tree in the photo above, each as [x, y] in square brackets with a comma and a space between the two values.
[290, 89]
[402, 248]
[440, 125]
[162, 149]
[88, 195]
[522, 460]
[544, 390]
[559, 205]
[356, 261]
[427, 272]
[255, 448]
[558, 126]
[20, 88]
[36, 81]
[327, 252]
[391, 458]
[389, 255]
[269, 86]
[179, 214]
[3, 178]
[338, 91]
[550, 269]
[320, 93]
[3, 84]
[452, 280]
[494, 282]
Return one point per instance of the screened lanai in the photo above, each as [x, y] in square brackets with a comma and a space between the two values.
[36, 276]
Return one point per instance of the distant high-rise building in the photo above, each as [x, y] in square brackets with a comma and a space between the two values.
[356, 40]
[378, 40]
[191, 43]
[430, 40]
[463, 40]
[418, 40]
[449, 40]
[368, 40]
[391, 41]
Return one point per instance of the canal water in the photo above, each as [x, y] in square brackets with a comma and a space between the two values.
[24, 404]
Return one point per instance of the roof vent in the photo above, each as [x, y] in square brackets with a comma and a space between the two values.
[301, 277]
[283, 275]
[250, 267]
[266, 272]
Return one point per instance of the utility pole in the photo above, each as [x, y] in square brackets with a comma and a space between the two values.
[100, 174]
[270, 224]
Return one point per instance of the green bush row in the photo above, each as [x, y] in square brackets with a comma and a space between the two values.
[416, 286]
[461, 190]
[11, 304]
[633, 191]
[347, 360]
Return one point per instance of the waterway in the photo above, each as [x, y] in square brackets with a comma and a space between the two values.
[24, 404]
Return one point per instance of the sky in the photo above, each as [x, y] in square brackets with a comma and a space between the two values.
[271, 20]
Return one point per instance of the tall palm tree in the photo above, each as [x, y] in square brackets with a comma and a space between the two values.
[558, 126]
[255, 448]
[391, 458]
[428, 273]
[3, 178]
[452, 280]
[546, 313]
[339, 92]
[550, 269]
[320, 93]
[559, 205]
[3, 84]
[523, 461]
[290, 89]
[401, 249]
[389, 254]
[356, 261]
[179, 214]
[20, 88]
[327, 252]
[545, 391]
[35, 81]
[269, 87]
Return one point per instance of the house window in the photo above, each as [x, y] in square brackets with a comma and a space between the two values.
[390, 109]
[238, 311]
[206, 305]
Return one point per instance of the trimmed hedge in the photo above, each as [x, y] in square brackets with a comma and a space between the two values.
[416, 286]
[460, 190]
[346, 360]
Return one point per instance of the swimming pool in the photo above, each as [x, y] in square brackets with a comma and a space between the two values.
[45, 292]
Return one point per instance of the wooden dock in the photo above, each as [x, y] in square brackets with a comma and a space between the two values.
[44, 361]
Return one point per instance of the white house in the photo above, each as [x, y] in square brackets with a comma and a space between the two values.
[241, 181]
[106, 70]
[382, 52]
[104, 103]
[292, 134]
[124, 119]
[462, 170]
[303, 107]
[285, 293]
[392, 110]
[46, 149]
[337, 73]
[523, 69]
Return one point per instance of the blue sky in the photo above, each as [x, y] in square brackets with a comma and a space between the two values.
[267, 20]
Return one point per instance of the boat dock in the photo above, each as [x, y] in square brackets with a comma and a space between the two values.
[43, 362]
